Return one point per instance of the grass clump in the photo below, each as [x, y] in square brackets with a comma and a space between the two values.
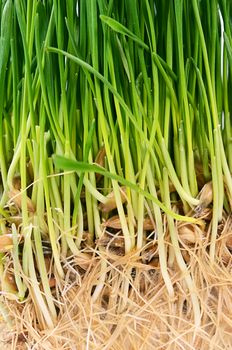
[116, 187]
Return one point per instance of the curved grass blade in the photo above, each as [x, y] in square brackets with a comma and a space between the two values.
[73, 165]
[119, 28]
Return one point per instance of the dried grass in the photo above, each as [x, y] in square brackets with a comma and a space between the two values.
[133, 310]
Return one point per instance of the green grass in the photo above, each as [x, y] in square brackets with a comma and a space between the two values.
[146, 82]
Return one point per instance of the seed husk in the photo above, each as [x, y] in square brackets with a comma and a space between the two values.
[15, 197]
[150, 253]
[110, 203]
[115, 223]
[205, 196]
[6, 243]
[100, 159]
[112, 241]
[148, 224]
[190, 234]
[8, 285]
[229, 240]
[17, 182]
[225, 254]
